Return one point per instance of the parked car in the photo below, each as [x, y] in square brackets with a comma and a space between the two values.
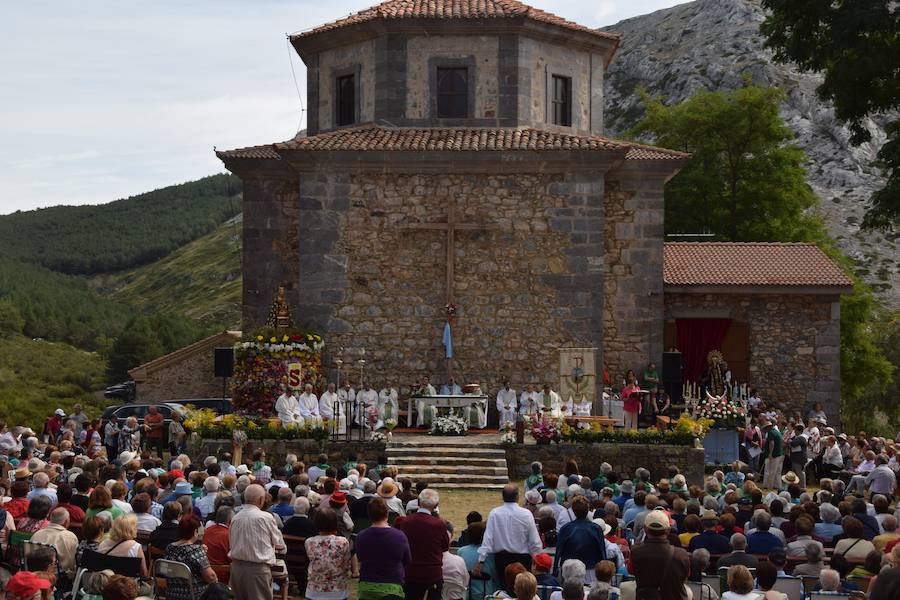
[122, 391]
[120, 412]
[222, 406]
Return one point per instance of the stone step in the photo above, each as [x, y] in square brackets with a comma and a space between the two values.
[462, 479]
[465, 486]
[402, 461]
[415, 470]
[448, 443]
[446, 452]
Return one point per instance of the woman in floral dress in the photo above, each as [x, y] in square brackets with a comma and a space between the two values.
[329, 559]
[186, 550]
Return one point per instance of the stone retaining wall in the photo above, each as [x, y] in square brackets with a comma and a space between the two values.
[306, 450]
[624, 458]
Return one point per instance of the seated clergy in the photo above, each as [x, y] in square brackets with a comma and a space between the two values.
[331, 408]
[287, 407]
[507, 406]
[308, 404]
[388, 407]
[476, 413]
[548, 401]
[366, 402]
[566, 408]
[424, 413]
[451, 388]
[528, 401]
[582, 408]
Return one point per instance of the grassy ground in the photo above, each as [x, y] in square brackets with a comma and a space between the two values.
[38, 377]
[200, 280]
[456, 504]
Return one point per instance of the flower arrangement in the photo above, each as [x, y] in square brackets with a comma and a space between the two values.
[379, 437]
[207, 424]
[390, 423]
[598, 435]
[451, 424]
[697, 427]
[507, 435]
[261, 365]
[721, 411]
[547, 431]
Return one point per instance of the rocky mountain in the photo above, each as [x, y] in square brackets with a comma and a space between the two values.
[711, 44]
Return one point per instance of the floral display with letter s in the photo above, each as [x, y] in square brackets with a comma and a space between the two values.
[261, 364]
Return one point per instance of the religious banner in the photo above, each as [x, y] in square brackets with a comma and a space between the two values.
[578, 375]
[295, 375]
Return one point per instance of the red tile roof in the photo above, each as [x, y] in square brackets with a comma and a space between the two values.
[455, 9]
[265, 152]
[402, 139]
[750, 264]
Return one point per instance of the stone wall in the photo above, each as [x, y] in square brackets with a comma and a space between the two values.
[306, 450]
[190, 377]
[624, 458]
[794, 343]
[633, 256]
[525, 286]
[357, 59]
[271, 211]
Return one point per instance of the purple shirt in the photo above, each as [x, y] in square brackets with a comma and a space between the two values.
[383, 554]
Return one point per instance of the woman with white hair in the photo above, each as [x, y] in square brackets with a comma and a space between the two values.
[571, 573]
[130, 436]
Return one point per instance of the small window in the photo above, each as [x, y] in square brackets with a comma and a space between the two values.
[346, 100]
[562, 100]
[452, 93]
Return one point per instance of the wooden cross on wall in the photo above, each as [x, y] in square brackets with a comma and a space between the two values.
[451, 226]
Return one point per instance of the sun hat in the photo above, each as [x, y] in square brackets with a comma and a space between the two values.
[656, 520]
[346, 483]
[543, 561]
[126, 457]
[709, 515]
[603, 525]
[790, 478]
[387, 489]
[183, 488]
[23, 473]
[627, 487]
[241, 470]
[26, 584]
[35, 464]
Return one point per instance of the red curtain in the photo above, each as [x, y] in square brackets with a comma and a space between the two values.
[695, 338]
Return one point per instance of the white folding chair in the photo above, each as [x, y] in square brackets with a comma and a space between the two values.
[171, 569]
[712, 581]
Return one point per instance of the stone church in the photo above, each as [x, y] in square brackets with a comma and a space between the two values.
[454, 155]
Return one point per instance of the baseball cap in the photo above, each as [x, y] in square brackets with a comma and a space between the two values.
[59, 412]
[25, 584]
[656, 520]
[543, 561]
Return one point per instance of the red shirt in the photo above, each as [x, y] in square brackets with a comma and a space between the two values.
[17, 507]
[632, 403]
[156, 420]
[76, 515]
[215, 539]
[428, 540]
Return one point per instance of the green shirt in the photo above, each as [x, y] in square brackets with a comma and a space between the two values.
[775, 436]
[646, 383]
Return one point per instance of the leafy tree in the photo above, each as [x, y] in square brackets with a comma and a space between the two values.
[137, 344]
[11, 320]
[856, 44]
[746, 180]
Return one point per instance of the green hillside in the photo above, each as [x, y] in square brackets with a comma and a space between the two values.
[201, 280]
[134, 231]
[37, 377]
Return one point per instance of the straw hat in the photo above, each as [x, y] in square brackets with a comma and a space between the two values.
[790, 478]
[387, 489]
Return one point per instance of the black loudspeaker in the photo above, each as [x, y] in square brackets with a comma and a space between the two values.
[671, 367]
[224, 362]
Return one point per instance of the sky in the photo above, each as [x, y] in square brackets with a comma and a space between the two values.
[105, 99]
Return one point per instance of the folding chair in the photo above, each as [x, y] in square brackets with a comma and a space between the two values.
[701, 591]
[828, 596]
[544, 591]
[791, 586]
[713, 582]
[170, 570]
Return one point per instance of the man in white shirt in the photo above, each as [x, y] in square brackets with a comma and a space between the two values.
[511, 535]
[331, 408]
[456, 575]
[254, 539]
[528, 401]
[507, 406]
[288, 408]
[57, 534]
[388, 407]
[309, 404]
[366, 400]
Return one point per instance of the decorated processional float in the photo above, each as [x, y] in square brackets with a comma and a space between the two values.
[265, 361]
[722, 404]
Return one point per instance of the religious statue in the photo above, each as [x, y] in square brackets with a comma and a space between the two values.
[713, 378]
[280, 313]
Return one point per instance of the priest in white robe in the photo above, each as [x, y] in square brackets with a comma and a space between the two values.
[566, 407]
[309, 405]
[583, 407]
[476, 414]
[348, 395]
[451, 388]
[549, 403]
[388, 406]
[424, 412]
[528, 401]
[366, 400]
[287, 408]
[332, 409]
[507, 405]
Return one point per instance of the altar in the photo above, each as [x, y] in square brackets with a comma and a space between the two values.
[446, 401]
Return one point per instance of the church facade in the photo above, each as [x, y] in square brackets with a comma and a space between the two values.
[454, 155]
